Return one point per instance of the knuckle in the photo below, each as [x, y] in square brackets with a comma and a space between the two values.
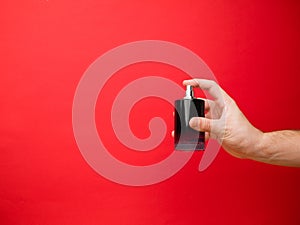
[213, 83]
[205, 125]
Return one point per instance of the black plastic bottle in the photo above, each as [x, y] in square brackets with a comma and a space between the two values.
[185, 137]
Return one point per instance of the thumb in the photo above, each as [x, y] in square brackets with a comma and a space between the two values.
[201, 124]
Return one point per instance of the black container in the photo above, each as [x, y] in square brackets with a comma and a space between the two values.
[185, 137]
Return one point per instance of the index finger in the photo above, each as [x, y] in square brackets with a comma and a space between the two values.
[207, 85]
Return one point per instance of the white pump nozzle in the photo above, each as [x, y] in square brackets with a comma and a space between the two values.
[189, 93]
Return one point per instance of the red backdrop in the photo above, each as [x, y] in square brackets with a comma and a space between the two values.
[251, 46]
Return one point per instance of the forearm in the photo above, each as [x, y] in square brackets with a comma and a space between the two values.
[280, 148]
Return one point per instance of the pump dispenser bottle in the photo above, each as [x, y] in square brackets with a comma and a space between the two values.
[185, 137]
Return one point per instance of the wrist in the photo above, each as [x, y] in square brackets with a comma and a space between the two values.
[263, 150]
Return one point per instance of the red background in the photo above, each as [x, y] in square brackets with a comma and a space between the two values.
[251, 46]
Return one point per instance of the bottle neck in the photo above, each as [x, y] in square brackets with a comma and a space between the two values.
[189, 93]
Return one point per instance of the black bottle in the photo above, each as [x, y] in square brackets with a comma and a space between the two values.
[185, 137]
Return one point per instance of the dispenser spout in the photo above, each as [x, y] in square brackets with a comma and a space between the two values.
[189, 93]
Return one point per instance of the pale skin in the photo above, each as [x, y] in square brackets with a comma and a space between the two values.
[225, 122]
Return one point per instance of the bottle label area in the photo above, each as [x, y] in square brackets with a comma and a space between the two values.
[185, 137]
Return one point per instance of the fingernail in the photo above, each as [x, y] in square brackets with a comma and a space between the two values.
[193, 122]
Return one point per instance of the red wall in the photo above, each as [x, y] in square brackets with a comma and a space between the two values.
[251, 46]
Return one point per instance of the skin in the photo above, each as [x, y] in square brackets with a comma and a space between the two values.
[225, 122]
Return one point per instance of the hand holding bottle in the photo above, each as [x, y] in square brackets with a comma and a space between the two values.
[226, 123]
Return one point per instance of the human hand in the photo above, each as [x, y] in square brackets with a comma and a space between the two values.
[225, 122]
